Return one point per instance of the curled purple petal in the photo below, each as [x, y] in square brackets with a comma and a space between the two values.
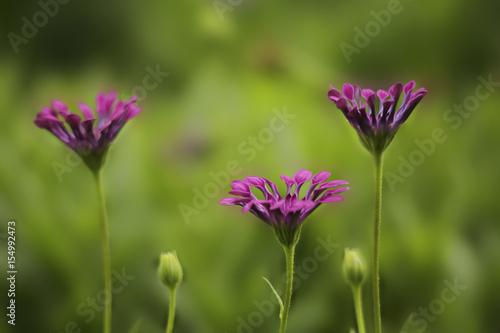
[409, 86]
[320, 177]
[239, 185]
[302, 176]
[348, 91]
[60, 107]
[87, 111]
[334, 95]
[287, 180]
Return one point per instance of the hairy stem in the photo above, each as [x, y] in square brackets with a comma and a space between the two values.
[289, 254]
[105, 252]
[378, 159]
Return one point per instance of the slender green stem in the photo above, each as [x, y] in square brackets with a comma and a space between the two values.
[289, 254]
[105, 252]
[378, 159]
[358, 306]
[171, 310]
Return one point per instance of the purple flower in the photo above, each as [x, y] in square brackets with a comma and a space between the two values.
[285, 214]
[376, 129]
[91, 137]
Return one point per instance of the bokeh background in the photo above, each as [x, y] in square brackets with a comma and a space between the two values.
[227, 72]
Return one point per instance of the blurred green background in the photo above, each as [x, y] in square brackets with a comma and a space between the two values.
[228, 71]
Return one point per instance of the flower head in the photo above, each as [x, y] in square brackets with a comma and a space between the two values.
[91, 137]
[376, 116]
[353, 267]
[170, 270]
[285, 214]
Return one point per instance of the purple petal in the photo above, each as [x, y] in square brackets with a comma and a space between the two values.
[395, 91]
[333, 198]
[302, 176]
[87, 111]
[47, 112]
[88, 127]
[240, 193]
[320, 177]
[46, 123]
[247, 206]
[301, 204]
[277, 204]
[386, 114]
[335, 191]
[132, 111]
[382, 94]
[110, 100]
[255, 181]
[60, 107]
[357, 95]
[420, 91]
[239, 185]
[287, 180]
[100, 103]
[334, 94]
[409, 86]
[118, 111]
[366, 93]
[74, 121]
[371, 107]
[333, 183]
[403, 115]
[348, 91]
[230, 201]
[343, 106]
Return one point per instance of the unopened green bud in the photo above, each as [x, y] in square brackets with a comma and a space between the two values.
[354, 270]
[170, 270]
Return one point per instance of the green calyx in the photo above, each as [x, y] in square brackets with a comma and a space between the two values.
[287, 236]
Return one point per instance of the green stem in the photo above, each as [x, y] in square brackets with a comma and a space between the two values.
[378, 159]
[105, 252]
[289, 254]
[358, 306]
[171, 310]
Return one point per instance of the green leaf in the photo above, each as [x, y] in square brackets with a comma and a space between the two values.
[275, 294]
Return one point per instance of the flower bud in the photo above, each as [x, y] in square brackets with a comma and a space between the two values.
[354, 270]
[170, 270]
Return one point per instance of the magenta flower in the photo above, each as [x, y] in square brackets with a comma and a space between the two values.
[91, 137]
[285, 214]
[376, 129]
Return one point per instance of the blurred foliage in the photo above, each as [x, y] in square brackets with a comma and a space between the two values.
[225, 79]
